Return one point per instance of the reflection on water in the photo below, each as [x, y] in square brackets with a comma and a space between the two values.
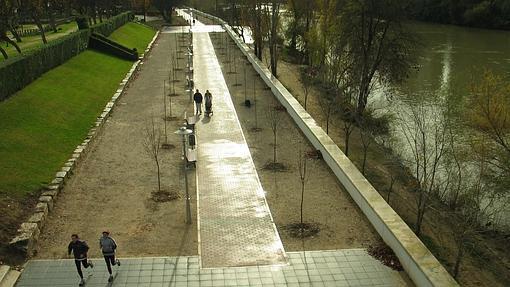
[452, 59]
[452, 55]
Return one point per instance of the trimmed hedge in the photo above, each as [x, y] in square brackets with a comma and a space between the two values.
[107, 27]
[18, 72]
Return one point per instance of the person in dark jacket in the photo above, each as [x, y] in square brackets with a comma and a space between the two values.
[79, 248]
[108, 247]
[198, 101]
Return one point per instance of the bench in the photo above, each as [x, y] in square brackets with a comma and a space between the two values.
[190, 121]
[191, 156]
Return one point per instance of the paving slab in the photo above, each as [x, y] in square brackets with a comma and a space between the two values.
[352, 267]
[235, 223]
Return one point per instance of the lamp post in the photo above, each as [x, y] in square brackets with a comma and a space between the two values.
[183, 131]
[190, 73]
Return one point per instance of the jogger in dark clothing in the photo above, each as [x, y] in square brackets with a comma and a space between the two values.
[108, 247]
[79, 248]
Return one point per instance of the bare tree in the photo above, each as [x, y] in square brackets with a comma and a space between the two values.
[327, 104]
[370, 127]
[306, 81]
[424, 128]
[366, 141]
[303, 176]
[274, 118]
[256, 128]
[478, 204]
[273, 36]
[152, 145]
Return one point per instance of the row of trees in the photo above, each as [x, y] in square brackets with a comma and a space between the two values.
[461, 158]
[164, 7]
[353, 45]
[13, 13]
[477, 13]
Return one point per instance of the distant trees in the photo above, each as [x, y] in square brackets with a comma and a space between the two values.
[489, 117]
[6, 14]
[355, 45]
[253, 17]
[476, 13]
[378, 48]
[36, 9]
[165, 8]
[13, 12]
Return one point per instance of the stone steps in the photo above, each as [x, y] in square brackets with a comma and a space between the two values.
[8, 276]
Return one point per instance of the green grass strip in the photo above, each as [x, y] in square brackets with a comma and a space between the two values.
[133, 35]
[41, 125]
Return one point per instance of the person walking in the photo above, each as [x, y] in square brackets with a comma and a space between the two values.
[108, 247]
[208, 103]
[79, 248]
[198, 101]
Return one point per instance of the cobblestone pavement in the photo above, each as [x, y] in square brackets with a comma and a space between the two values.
[352, 267]
[235, 224]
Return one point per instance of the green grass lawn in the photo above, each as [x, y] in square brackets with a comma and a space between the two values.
[34, 42]
[41, 125]
[133, 35]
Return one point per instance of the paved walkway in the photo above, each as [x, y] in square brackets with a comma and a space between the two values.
[312, 268]
[235, 224]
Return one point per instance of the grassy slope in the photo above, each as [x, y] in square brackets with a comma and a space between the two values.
[133, 35]
[42, 124]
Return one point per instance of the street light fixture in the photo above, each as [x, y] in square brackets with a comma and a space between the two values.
[183, 131]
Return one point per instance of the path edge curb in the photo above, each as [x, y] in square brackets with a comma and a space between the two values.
[28, 232]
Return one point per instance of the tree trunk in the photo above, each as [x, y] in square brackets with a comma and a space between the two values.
[159, 174]
[419, 218]
[8, 40]
[2, 51]
[327, 121]
[53, 24]
[365, 150]
[302, 198]
[40, 26]
[144, 11]
[274, 147]
[15, 33]
[390, 190]
[347, 144]
[458, 260]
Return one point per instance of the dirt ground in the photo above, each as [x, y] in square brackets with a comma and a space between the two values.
[111, 189]
[341, 223]
[489, 266]
[438, 235]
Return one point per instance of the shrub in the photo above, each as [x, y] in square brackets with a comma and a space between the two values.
[18, 72]
[107, 27]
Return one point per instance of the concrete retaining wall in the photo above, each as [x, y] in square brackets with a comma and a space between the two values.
[419, 263]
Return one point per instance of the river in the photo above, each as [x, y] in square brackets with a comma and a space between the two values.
[450, 58]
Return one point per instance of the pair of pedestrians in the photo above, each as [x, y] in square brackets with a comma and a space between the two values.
[198, 99]
[80, 248]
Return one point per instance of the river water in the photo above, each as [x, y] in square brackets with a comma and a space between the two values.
[451, 59]
[451, 55]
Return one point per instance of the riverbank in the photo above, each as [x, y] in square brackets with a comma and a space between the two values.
[485, 266]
